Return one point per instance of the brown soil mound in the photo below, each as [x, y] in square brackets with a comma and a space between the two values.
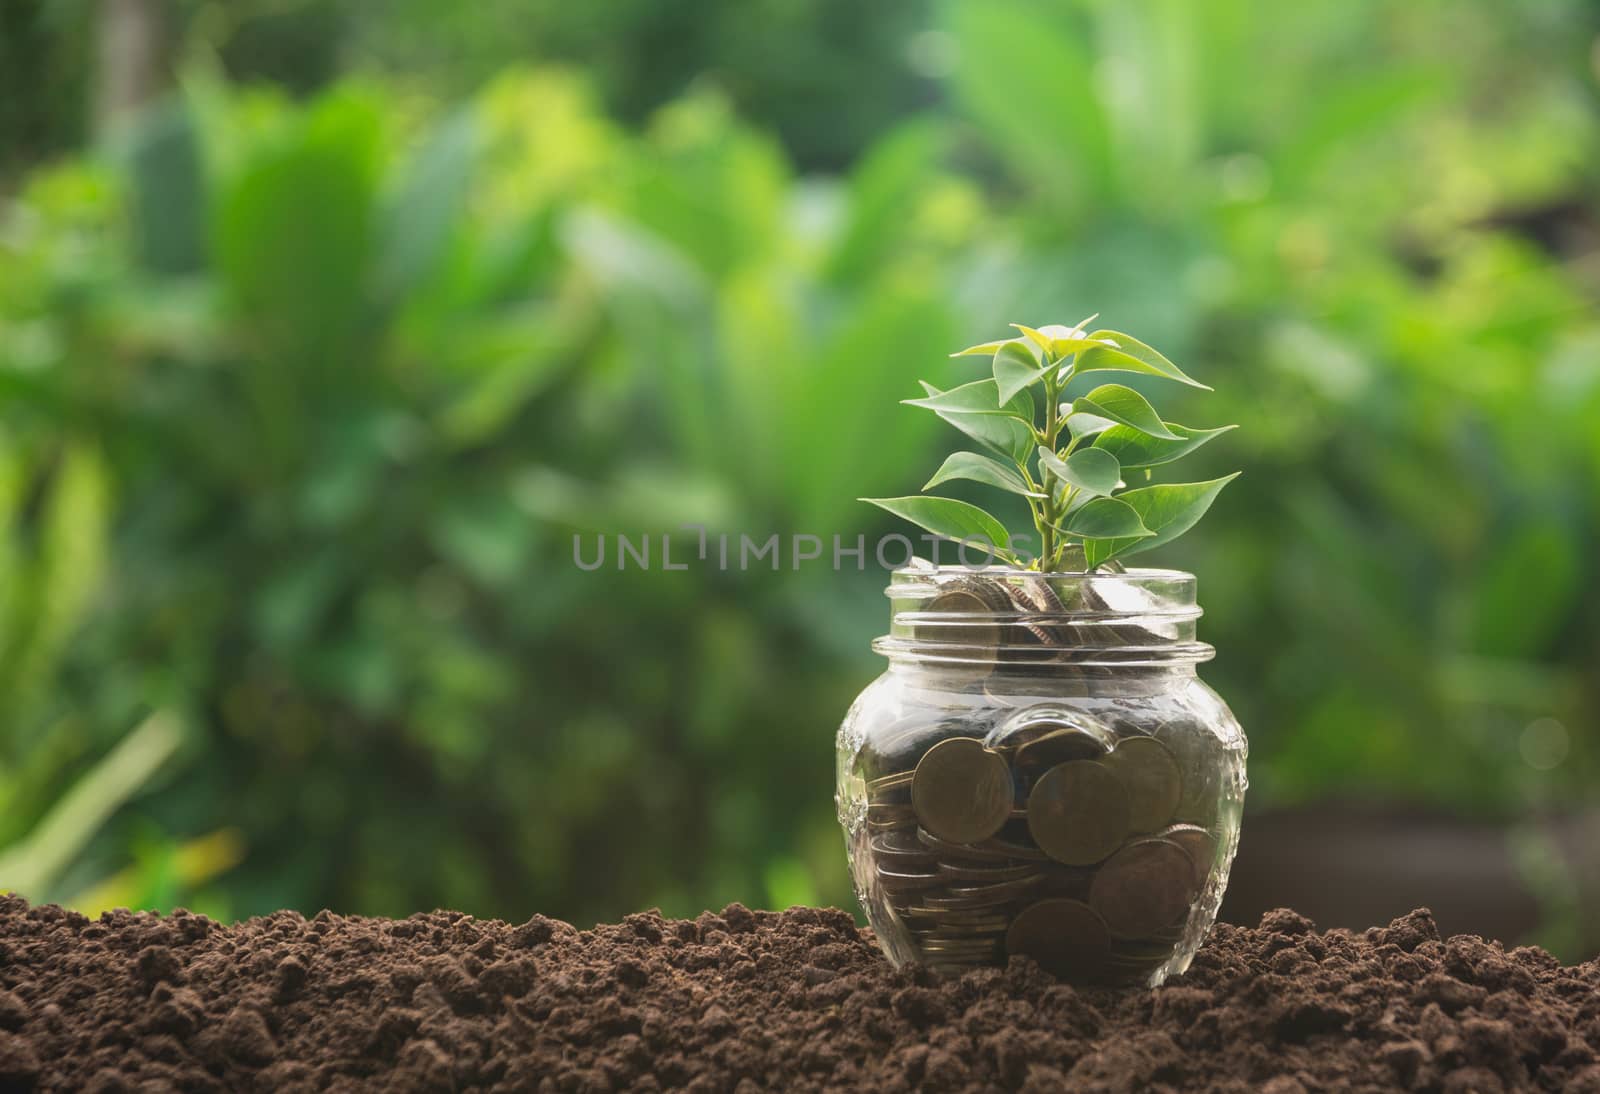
[743, 1000]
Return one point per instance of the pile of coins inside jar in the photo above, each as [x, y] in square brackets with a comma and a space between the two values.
[1080, 840]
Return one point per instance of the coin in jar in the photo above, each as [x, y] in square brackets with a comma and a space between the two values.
[969, 602]
[1041, 608]
[1066, 937]
[1049, 733]
[1078, 812]
[1150, 776]
[1143, 888]
[962, 791]
[1200, 844]
[1200, 757]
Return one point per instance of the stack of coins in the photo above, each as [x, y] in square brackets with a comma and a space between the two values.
[1049, 836]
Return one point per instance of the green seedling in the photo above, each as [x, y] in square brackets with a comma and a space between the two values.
[1068, 457]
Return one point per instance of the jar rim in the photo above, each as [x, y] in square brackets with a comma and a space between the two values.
[1145, 573]
[1002, 616]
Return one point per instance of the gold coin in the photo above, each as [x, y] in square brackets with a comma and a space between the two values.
[903, 881]
[1049, 733]
[953, 919]
[962, 791]
[997, 892]
[1199, 756]
[1078, 812]
[1150, 776]
[970, 602]
[1033, 596]
[992, 851]
[1066, 937]
[898, 849]
[960, 872]
[1201, 846]
[1143, 888]
[878, 788]
[890, 813]
[951, 901]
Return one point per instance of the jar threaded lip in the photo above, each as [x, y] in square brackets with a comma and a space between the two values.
[1000, 615]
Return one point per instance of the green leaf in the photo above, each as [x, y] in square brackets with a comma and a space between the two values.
[1106, 517]
[1128, 354]
[1134, 449]
[1057, 330]
[987, 348]
[970, 465]
[1007, 436]
[979, 397]
[1059, 341]
[1088, 469]
[1086, 425]
[1168, 510]
[1015, 369]
[1038, 338]
[946, 517]
[292, 233]
[1125, 405]
[417, 226]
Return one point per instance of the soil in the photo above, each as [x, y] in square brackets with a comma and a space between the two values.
[743, 1000]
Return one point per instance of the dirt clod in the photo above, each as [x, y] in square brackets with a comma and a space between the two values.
[743, 1000]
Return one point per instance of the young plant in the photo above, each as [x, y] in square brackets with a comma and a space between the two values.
[1066, 456]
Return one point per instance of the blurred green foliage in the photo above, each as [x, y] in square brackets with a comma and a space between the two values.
[303, 402]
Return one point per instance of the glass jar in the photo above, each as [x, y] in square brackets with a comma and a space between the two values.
[1041, 771]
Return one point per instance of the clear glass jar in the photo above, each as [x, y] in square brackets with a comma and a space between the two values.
[1041, 771]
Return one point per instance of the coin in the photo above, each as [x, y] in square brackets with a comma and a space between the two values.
[898, 849]
[954, 919]
[958, 852]
[1051, 733]
[1058, 880]
[982, 953]
[1143, 888]
[1199, 756]
[970, 601]
[1066, 937]
[1201, 846]
[975, 898]
[962, 791]
[880, 787]
[1032, 595]
[998, 892]
[973, 940]
[898, 881]
[897, 813]
[996, 692]
[1078, 812]
[960, 872]
[1150, 776]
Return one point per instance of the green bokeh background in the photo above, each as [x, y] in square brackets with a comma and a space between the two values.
[324, 327]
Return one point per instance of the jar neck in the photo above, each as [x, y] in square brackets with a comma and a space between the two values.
[1054, 682]
[1058, 626]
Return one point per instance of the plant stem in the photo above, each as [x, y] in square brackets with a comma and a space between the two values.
[1045, 513]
